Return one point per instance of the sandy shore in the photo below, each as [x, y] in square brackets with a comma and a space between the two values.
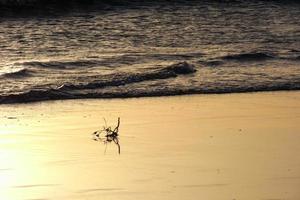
[214, 147]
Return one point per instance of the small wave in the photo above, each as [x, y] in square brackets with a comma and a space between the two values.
[73, 91]
[212, 63]
[61, 64]
[21, 73]
[123, 79]
[248, 57]
[114, 61]
[291, 58]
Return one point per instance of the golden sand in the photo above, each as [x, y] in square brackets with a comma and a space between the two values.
[212, 147]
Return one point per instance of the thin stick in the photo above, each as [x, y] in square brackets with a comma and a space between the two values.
[110, 135]
[116, 130]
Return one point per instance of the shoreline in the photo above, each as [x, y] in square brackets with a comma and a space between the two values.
[232, 146]
[142, 96]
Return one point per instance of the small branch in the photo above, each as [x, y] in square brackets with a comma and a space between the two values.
[110, 135]
[116, 130]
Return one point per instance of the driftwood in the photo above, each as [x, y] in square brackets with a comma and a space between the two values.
[109, 135]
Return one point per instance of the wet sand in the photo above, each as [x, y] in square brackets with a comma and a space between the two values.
[236, 146]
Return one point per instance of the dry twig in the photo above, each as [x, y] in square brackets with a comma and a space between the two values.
[110, 135]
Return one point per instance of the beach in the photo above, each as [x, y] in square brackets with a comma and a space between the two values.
[216, 147]
[151, 100]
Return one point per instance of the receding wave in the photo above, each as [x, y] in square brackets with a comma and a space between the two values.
[54, 94]
[249, 56]
[21, 73]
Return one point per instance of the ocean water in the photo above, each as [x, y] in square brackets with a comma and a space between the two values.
[147, 48]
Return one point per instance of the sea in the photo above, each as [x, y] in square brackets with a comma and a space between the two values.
[52, 50]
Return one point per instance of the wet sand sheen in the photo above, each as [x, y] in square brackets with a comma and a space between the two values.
[238, 146]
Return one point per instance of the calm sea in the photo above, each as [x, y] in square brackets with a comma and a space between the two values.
[133, 48]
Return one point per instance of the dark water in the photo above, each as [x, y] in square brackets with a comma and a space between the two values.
[129, 49]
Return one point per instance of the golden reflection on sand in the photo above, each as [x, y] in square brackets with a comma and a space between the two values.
[239, 146]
